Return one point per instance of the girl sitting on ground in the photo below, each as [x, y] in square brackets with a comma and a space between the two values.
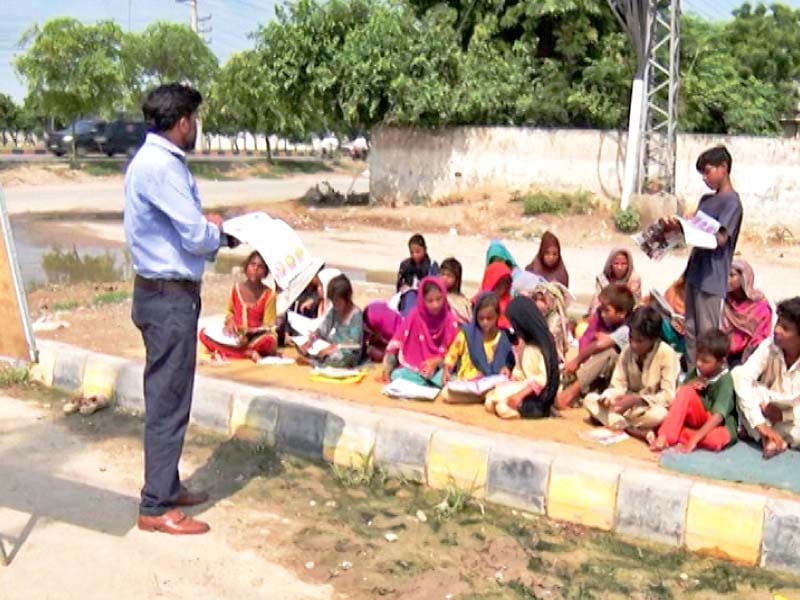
[250, 316]
[417, 351]
[534, 380]
[342, 328]
[480, 349]
[380, 324]
[412, 271]
[497, 279]
[618, 269]
[552, 300]
[746, 314]
[548, 262]
[459, 303]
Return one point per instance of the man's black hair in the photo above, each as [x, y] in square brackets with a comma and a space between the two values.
[715, 342]
[646, 321]
[790, 310]
[168, 103]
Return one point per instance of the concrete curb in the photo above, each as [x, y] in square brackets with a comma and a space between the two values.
[551, 479]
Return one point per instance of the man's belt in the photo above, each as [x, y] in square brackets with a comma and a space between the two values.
[166, 285]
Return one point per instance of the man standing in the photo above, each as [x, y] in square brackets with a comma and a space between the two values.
[169, 240]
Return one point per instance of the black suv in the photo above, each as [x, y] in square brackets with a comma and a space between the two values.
[121, 136]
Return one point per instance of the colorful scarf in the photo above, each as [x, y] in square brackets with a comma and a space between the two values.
[497, 249]
[494, 274]
[750, 318]
[477, 352]
[559, 272]
[423, 335]
[381, 320]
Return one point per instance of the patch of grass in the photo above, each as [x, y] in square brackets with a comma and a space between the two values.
[69, 266]
[66, 305]
[13, 376]
[538, 202]
[456, 500]
[627, 221]
[114, 297]
[364, 474]
[102, 168]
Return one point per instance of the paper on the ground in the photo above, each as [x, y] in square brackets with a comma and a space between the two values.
[476, 387]
[276, 361]
[279, 245]
[604, 436]
[315, 348]
[335, 372]
[217, 334]
[699, 231]
[401, 388]
[302, 324]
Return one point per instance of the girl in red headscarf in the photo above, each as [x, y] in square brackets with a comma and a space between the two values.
[746, 314]
[497, 279]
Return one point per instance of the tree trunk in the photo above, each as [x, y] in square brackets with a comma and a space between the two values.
[269, 151]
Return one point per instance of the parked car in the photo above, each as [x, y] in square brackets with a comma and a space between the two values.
[121, 136]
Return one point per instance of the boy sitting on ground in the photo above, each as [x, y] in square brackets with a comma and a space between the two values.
[599, 347]
[644, 379]
[703, 414]
[768, 385]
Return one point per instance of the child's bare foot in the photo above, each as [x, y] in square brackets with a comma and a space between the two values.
[567, 397]
[255, 356]
[303, 360]
[656, 443]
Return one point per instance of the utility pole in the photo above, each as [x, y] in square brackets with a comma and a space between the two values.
[653, 27]
[194, 24]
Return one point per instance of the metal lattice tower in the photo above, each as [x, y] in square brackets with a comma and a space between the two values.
[653, 27]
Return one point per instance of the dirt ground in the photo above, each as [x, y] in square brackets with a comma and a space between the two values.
[286, 528]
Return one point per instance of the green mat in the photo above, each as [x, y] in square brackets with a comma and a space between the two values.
[741, 462]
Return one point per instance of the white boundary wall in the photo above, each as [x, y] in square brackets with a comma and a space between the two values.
[408, 164]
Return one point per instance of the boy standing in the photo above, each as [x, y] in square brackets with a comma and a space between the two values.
[644, 379]
[707, 270]
[768, 385]
[599, 347]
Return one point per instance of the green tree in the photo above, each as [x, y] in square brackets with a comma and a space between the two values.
[72, 69]
[166, 52]
[8, 119]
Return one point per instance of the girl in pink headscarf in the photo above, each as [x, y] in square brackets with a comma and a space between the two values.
[417, 350]
[380, 324]
[746, 314]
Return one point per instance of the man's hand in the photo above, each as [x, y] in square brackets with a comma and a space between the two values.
[769, 435]
[671, 224]
[215, 219]
[772, 413]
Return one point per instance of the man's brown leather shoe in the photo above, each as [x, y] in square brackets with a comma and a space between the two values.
[187, 498]
[173, 522]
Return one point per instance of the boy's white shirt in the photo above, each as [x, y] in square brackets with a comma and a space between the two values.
[752, 396]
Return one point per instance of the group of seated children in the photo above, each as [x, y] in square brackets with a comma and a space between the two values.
[626, 369]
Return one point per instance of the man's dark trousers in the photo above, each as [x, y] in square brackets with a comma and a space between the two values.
[167, 319]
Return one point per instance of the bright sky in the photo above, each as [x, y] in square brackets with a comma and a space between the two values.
[231, 21]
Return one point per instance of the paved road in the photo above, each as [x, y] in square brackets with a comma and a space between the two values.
[67, 508]
[107, 196]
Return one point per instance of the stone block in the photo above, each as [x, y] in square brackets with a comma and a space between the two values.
[300, 429]
[460, 460]
[350, 437]
[518, 477]
[780, 547]
[68, 370]
[129, 388]
[652, 506]
[211, 403]
[401, 447]
[724, 522]
[583, 491]
[100, 375]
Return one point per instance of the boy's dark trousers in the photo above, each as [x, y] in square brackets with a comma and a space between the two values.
[703, 312]
[167, 319]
